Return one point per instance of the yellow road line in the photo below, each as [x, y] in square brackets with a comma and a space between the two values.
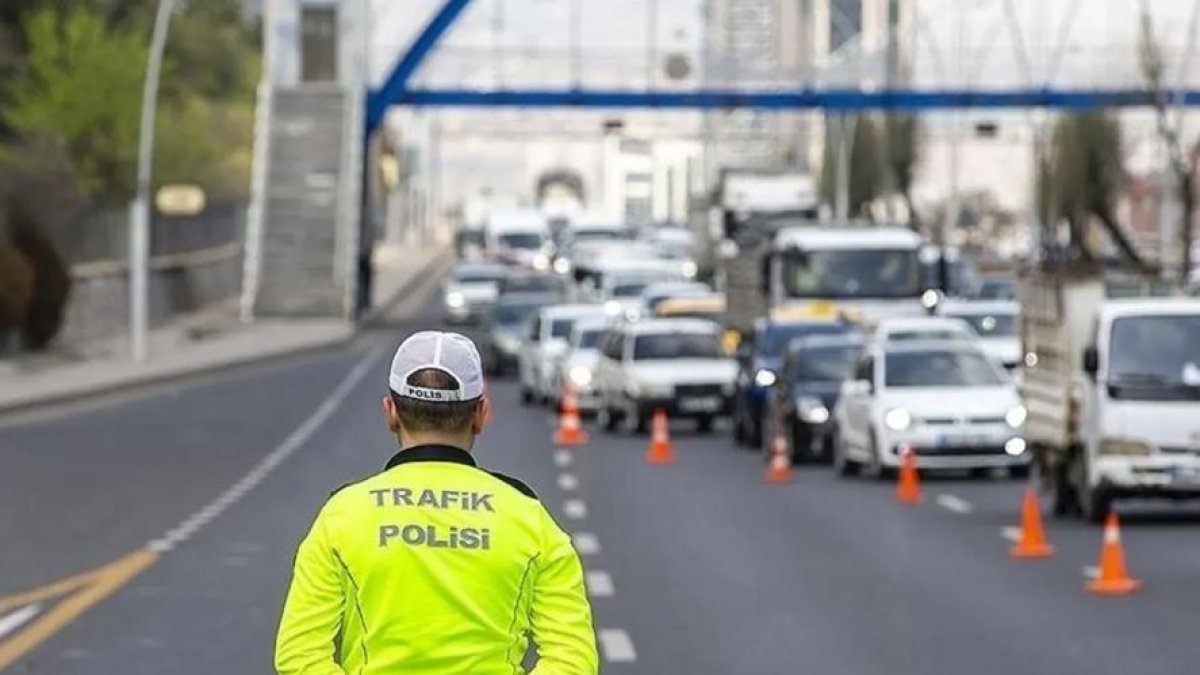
[81, 592]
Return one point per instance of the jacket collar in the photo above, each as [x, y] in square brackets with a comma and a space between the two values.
[431, 453]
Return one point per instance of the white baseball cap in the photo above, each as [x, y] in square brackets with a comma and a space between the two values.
[451, 353]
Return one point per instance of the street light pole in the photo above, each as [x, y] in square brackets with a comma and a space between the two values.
[139, 209]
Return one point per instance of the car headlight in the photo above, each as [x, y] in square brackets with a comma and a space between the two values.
[1015, 447]
[897, 419]
[1125, 446]
[613, 308]
[764, 378]
[812, 410]
[454, 300]
[562, 266]
[541, 262]
[508, 343]
[580, 376]
[690, 270]
[1015, 416]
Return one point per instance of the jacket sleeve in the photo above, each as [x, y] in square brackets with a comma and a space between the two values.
[312, 613]
[560, 613]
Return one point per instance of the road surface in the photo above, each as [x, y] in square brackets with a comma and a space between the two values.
[170, 519]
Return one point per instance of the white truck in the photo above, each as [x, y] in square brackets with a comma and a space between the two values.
[1112, 392]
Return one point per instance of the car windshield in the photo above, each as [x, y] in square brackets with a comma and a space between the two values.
[561, 328]
[991, 325]
[478, 276]
[774, 338]
[940, 368]
[827, 363]
[509, 314]
[599, 235]
[532, 284]
[629, 290]
[1155, 358]
[523, 240]
[677, 346]
[916, 334]
[996, 289]
[589, 339]
[851, 273]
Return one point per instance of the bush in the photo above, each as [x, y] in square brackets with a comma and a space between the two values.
[16, 287]
[51, 288]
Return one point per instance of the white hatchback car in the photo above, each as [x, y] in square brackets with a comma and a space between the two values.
[946, 401]
[545, 342]
[677, 365]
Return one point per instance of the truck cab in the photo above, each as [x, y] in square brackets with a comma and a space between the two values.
[1112, 387]
[872, 271]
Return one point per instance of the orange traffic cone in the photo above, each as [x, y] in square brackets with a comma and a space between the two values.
[660, 451]
[1114, 579]
[1033, 537]
[908, 485]
[779, 468]
[569, 430]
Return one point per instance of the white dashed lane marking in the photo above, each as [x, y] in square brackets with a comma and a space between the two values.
[586, 543]
[562, 458]
[1011, 533]
[575, 509]
[11, 622]
[599, 584]
[616, 646]
[567, 482]
[955, 504]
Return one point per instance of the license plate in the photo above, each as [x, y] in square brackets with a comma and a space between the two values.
[961, 440]
[710, 404]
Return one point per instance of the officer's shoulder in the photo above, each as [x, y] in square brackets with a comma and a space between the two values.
[514, 483]
[341, 490]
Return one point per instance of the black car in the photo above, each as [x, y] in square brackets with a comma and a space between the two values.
[802, 399]
[505, 326]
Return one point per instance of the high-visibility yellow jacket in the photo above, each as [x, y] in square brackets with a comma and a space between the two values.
[436, 567]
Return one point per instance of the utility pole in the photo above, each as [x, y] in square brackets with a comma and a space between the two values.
[139, 209]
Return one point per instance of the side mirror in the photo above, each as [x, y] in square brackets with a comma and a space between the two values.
[1091, 361]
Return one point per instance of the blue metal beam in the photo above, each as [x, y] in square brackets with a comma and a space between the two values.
[826, 99]
[397, 82]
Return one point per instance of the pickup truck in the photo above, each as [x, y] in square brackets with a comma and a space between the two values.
[1112, 391]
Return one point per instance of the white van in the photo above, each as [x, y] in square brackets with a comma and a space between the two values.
[518, 237]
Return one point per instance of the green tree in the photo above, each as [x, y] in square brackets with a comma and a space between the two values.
[1084, 178]
[83, 90]
[866, 165]
[903, 134]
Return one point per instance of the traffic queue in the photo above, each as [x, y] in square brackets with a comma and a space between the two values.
[629, 331]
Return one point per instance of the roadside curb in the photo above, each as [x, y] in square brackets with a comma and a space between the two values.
[134, 380]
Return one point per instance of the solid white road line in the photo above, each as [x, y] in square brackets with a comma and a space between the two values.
[562, 458]
[1011, 533]
[586, 543]
[1091, 571]
[260, 471]
[567, 482]
[599, 584]
[616, 646]
[955, 504]
[575, 509]
[11, 622]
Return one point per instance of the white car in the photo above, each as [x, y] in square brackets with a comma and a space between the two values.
[546, 341]
[576, 368]
[621, 286]
[904, 329]
[947, 402]
[996, 323]
[471, 290]
[677, 365]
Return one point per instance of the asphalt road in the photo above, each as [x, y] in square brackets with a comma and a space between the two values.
[698, 567]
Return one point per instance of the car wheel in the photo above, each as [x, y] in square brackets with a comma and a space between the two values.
[757, 434]
[704, 424]
[876, 469]
[800, 442]
[526, 395]
[1094, 505]
[842, 464]
[739, 427]
[606, 418]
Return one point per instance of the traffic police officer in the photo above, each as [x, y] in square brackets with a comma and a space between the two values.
[435, 566]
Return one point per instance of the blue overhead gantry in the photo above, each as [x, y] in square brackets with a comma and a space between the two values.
[396, 90]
